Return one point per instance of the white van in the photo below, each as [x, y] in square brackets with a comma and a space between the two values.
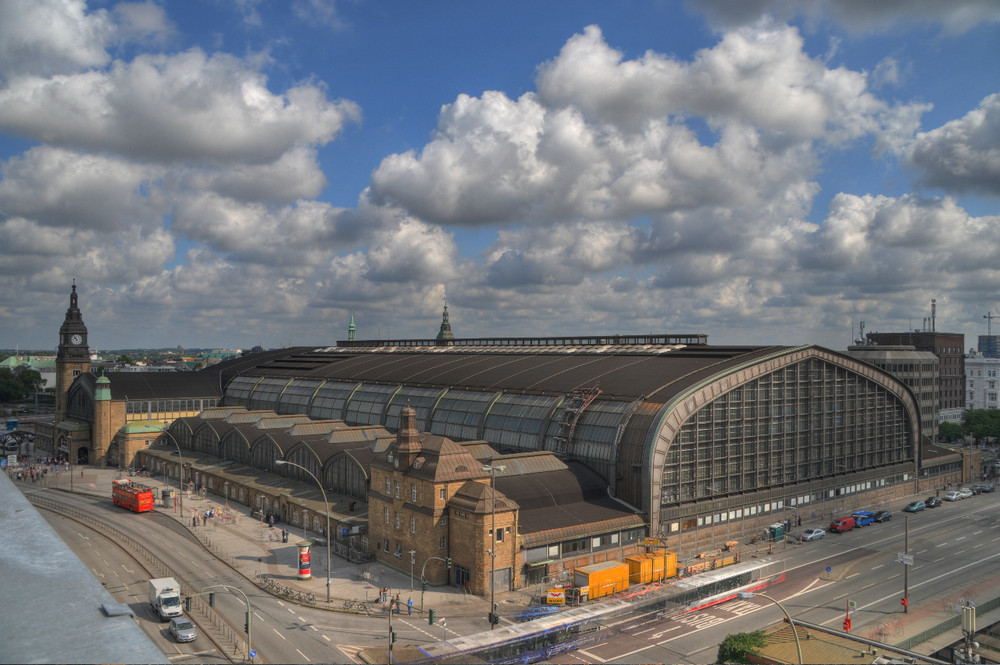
[953, 496]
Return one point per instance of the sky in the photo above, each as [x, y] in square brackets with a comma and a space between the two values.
[233, 173]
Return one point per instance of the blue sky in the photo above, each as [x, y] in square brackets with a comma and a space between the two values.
[233, 173]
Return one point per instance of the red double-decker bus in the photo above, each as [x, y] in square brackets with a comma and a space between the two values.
[135, 497]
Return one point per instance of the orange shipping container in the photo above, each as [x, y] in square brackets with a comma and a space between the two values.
[656, 561]
[640, 569]
[670, 570]
[602, 579]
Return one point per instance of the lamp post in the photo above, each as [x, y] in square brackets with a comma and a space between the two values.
[795, 633]
[492, 468]
[279, 462]
[180, 481]
[413, 560]
[249, 612]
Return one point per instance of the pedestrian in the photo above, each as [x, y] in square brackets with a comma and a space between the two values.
[194, 520]
[396, 603]
[409, 606]
[800, 520]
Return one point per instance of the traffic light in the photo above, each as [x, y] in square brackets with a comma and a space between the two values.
[392, 636]
[447, 563]
[424, 584]
[211, 599]
[246, 626]
[847, 625]
[430, 617]
[187, 603]
[904, 602]
[494, 618]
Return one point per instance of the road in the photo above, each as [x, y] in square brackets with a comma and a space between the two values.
[281, 631]
[954, 547]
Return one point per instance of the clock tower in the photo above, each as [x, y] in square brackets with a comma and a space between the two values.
[73, 356]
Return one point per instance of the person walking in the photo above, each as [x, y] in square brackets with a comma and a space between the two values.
[396, 603]
[409, 606]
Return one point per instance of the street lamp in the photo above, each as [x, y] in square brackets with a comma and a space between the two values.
[492, 468]
[413, 560]
[279, 462]
[750, 594]
[180, 482]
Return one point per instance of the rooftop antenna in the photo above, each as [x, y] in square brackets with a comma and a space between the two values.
[989, 322]
[933, 313]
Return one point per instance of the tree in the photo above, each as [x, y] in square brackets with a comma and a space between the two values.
[737, 648]
[950, 431]
[18, 385]
[981, 423]
[124, 359]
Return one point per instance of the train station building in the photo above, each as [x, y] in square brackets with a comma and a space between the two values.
[578, 447]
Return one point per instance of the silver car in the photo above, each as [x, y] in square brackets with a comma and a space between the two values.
[812, 534]
[182, 629]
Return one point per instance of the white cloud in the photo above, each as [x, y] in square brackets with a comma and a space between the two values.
[608, 139]
[860, 16]
[47, 37]
[296, 238]
[964, 154]
[63, 188]
[187, 106]
[292, 176]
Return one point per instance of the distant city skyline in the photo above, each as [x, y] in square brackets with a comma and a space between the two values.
[241, 174]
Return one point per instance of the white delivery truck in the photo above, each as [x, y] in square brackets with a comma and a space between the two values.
[165, 597]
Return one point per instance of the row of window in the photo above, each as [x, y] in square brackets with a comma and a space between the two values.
[579, 546]
[391, 490]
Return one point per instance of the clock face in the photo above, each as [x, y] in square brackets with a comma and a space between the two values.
[75, 339]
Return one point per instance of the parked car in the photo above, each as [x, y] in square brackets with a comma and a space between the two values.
[882, 516]
[915, 506]
[182, 629]
[965, 492]
[932, 502]
[812, 534]
[953, 496]
[863, 518]
[988, 488]
[842, 524]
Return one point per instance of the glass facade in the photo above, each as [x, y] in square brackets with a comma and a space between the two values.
[804, 421]
[518, 421]
[265, 395]
[297, 397]
[460, 415]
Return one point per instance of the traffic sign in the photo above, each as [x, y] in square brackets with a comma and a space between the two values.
[253, 653]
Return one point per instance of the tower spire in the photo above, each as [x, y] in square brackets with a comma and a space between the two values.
[445, 335]
[352, 330]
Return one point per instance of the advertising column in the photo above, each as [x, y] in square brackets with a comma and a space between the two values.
[305, 567]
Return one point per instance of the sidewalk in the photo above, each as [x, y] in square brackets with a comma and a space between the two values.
[252, 548]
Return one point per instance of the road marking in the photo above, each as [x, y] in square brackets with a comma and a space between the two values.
[960, 538]
[895, 594]
[976, 533]
[852, 575]
[593, 656]
[351, 652]
[943, 545]
[326, 638]
[279, 634]
[304, 656]
[878, 566]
